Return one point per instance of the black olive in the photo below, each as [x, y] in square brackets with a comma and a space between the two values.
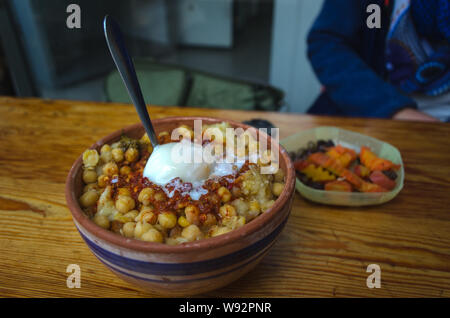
[330, 143]
[292, 155]
[322, 148]
[391, 174]
[321, 142]
[317, 185]
[298, 153]
[302, 177]
[311, 145]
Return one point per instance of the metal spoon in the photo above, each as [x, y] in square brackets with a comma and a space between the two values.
[126, 69]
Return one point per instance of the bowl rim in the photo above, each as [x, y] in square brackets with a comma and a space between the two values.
[138, 245]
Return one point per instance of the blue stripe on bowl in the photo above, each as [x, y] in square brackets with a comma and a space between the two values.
[166, 281]
[180, 269]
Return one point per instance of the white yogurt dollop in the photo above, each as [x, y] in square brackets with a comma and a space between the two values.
[166, 163]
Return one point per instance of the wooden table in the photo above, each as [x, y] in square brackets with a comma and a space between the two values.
[323, 251]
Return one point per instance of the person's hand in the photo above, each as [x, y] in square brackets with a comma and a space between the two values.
[414, 115]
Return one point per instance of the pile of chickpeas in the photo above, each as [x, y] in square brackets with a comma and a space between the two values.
[117, 210]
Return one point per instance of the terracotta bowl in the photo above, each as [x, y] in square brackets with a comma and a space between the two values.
[190, 268]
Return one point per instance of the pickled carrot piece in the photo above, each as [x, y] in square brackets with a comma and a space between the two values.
[335, 167]
[342, 186]
[371, 161]
[344, 155]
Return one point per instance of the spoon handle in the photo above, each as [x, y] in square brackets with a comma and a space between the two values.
[126, 69]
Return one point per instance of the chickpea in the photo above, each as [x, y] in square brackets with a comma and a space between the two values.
[128, 229]
[172, 241]
[102, 181]
[192, 214]
[89, 176]
[241, 206]
[241, 221]
[149, 217]
[110, 169]
[230, 222]
[185, 132]
[141, 228]
[145, 139]
[131, 215]
[124, 203]
[227, 211]
[277, 188]
[125, 170]
[146, 195]
[236, 191]
[159, 196]
[116, 226]
[131, 154]
[89, 198]
[224, 194]
[90, 158]
[267, 205]
[152, 235]
[102, 221]
[254, 206]
[175, 232]
[90, 187]
[160, 228]
[138, 217]
[266, 158]
[105, 153]
[182, 205]
[145, 209]
[105, 148]
[117, 155]
[99, 169]
[183, 222]
[192, 233]
[124, 191]
[279, 175]
[210, 219]
[253, 211]
[167, 220]
[219, 230]
[213, 198]
[116, 144]
[164, 137]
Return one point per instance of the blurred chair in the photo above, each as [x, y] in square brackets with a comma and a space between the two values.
[169, 84]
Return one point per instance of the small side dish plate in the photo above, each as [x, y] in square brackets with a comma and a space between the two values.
[352, 140]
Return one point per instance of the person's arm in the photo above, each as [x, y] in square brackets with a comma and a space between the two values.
[413, 115]
[349, 81]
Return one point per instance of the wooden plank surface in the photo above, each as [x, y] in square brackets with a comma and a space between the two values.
[323, 251]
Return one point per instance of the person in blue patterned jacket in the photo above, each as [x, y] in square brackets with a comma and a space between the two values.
[400, 70]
